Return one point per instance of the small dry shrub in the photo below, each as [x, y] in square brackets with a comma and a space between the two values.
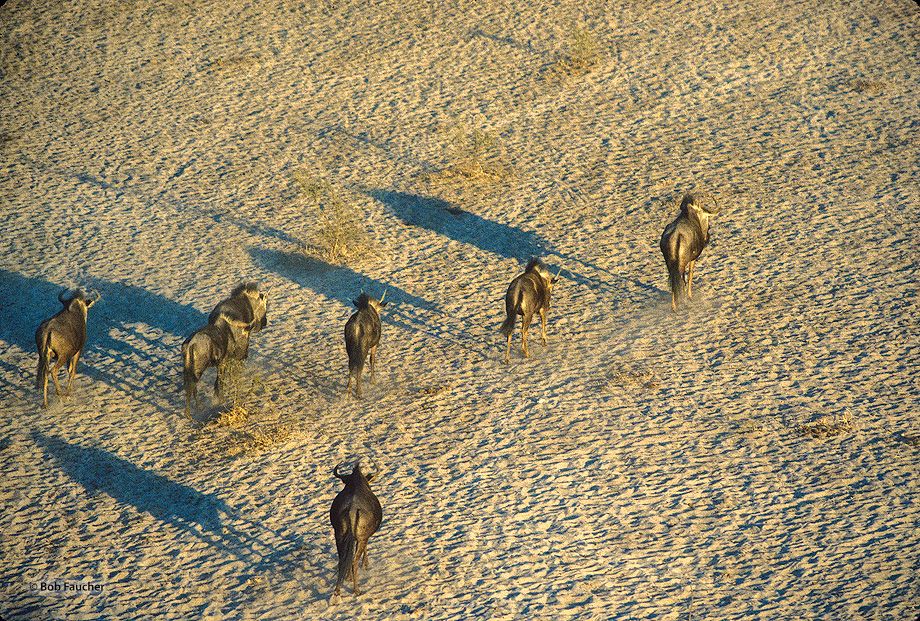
[580, 56]
[472, 155]
[868, 85]
[623, 377]
[338, 236]
[246, 425]
[827, 426]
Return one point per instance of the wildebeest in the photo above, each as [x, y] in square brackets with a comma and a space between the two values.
[528, 293]
[682, 242]
[355, 516]
[207, 347]
[362, 335]
[248, 305]
[62, 337]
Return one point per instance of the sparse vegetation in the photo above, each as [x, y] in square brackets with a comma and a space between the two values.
[868, 85]
[246, 425]
[827, 426]
[622, 377]
[472, 155]
[338, 236]
[580, 56]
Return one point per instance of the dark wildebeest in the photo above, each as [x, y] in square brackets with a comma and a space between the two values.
[355, 516]
[362, 335]
[209, 347]
[682, 242]
[246, 304]
[62, 337]
[528, 293]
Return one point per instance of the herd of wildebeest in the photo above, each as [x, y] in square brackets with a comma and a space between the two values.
[356, 513]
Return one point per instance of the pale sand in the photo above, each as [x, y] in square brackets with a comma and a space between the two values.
[642, 465]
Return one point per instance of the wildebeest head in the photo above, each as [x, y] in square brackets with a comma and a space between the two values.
[366, 301]
[538, 268]
[694, 205]
[257, 300]
[78, 297]
[246, 303]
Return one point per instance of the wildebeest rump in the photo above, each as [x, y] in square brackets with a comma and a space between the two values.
[355, 516]
[527, 294]
[683, 241]
[207, 347]
[362, 335]
[62, 337]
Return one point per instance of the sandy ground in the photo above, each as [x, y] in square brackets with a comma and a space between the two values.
[753, 456]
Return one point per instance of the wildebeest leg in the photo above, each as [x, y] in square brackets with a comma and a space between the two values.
[72, 371]
[54, 375]
[348, 385]
[45, 390]
[690, 279]
[220, 381]
[361, 553]
[373, 353]
[354, 569]
[543, 324]
[525, 324]
[357, 384]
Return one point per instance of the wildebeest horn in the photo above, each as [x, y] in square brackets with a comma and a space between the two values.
[384, 294]
[61, 296]
[98, 295]
[559, 272]
[713, 199]
[335, 470]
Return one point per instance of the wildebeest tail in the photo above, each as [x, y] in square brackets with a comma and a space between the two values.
[508, 326]
[510, 312]
[675, 279]
[355, 359]
[188, 369]
[44, 356]
[347, 551]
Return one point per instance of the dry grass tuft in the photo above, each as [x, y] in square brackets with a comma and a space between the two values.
[247, 425]
[435, 390]
[827, 426]
[909, 440]
[580, 57]
[623, 378]
[868, 85]
[472, 156]
[338, 236]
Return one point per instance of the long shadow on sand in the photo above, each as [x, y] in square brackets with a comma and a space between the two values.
[110, 334]
[342, 285]
[205, 516]
[447, 219]
[508, 241]
[35, 299]
[334, 282]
